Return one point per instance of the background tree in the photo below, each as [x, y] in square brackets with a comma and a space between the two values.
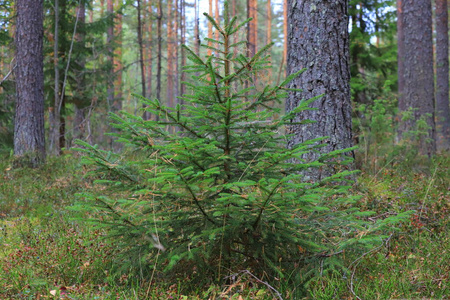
[318, 40]
[442, 77]
[417, 98]
[29, 141]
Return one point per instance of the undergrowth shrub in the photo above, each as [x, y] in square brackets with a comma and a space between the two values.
[208, 188]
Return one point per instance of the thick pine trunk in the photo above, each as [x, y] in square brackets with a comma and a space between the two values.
[418, 92]
[442, 77]
[318, 40]
[29, 141]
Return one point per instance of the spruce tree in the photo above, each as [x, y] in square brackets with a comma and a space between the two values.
[222, 192]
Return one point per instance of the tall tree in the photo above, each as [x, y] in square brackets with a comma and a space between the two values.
[252, 30]
[442, 77]
[29, 141]
[418, 77]
[79, 98]
[318, 40]
[159, 58]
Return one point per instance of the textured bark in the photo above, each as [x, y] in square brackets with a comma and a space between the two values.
[442, 77]
[29, 141]
[318, 40]
[418, 93]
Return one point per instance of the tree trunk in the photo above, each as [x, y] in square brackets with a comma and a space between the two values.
[110, 83]
[252, 29]
[55, 111]
[170, 51]
[285, 33]
[80, 100]
[400, 57]
[29, 140]
[210, 29]
[269, 33]
[418, 93]
[318, 40]
[442, 77]
[183, 41]
[158, 68]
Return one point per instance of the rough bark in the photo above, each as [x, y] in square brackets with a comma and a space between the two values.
[418, 93]
[442, 77]
[318, 40]
[29, 141]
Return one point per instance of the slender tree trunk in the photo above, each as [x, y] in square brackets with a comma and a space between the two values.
[176, 52]
[400, 57]
[210, 29]
[318, 40]
[196, 29]
[269, 32]
[158, 68]
[418, 93]
[148, 53]
[79, 95]
[109, 41]
[170, 40]
[141, 47]
[285, 33]
[183, 41]
[442, 77]
[29, 138]
[54, 112]
[252, 29]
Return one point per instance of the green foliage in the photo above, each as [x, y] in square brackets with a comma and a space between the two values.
[211, 188]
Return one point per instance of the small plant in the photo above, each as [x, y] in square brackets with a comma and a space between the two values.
[210, 188]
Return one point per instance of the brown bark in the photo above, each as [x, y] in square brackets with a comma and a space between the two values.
[183, 41]
[29, 140]
[252, 29]
[158, 67]
[318, 40]
[442, 77]
[210, 29]
[418, 93]
[170, 49]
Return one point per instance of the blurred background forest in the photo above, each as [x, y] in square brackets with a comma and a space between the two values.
[107, 50]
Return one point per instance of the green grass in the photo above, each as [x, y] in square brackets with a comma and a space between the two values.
[46, 251]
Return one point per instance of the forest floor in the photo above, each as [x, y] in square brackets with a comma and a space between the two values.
[48, 252]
